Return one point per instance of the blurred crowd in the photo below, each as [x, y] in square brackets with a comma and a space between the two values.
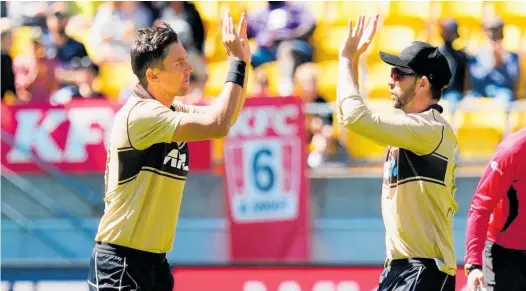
[55, 52]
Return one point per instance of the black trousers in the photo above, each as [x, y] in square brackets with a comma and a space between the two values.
[504, 269]
[119, 268]
[415, 275]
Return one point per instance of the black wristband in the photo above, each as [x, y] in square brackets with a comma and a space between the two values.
[236, 73]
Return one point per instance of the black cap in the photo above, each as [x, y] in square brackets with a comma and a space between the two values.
[422, 59]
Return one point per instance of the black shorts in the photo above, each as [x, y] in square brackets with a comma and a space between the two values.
[415, 275]
[504, 269]
[119, 268]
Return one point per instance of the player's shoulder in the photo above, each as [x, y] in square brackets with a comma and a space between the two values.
[513, 144]
[144, 109]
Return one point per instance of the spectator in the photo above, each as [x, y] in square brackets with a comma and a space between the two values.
[85, 74]
[8, 77]
[457, 60]
[282, 32]
[324, 147]
[184, 18]
[35, 74]
[494, 71]
[261, 86]
[306, 79]
[63, 49]
[114, 27]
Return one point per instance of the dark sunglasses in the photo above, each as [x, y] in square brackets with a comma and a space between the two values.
[398, 75]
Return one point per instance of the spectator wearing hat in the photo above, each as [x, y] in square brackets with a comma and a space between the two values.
[457, 60]
[494, 70]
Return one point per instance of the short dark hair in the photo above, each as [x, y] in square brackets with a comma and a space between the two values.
[436, 93]
[150, 48]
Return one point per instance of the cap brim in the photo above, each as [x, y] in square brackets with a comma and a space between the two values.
[395, 61]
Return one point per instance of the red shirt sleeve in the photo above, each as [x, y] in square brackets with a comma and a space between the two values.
[492, 188]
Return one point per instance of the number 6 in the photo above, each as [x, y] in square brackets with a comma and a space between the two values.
[262, 170]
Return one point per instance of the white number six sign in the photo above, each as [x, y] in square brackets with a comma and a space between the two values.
[263, 171]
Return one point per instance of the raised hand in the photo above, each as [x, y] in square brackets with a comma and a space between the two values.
[231, 40]
[358, 39]
[244, 38]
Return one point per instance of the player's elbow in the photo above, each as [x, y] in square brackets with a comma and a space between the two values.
[222, 130]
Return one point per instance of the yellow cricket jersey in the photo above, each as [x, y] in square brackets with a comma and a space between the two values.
[418, 190]
[145, 176]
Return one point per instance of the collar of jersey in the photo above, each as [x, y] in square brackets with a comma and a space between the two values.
[436, 107]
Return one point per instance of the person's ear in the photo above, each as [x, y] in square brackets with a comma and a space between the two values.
[424, 83]
[152, 75]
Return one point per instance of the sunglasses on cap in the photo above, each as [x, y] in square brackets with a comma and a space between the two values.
[398, 74]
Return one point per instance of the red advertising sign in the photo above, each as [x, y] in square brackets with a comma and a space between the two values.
[73, 137]
[284, 279]
[266, 187]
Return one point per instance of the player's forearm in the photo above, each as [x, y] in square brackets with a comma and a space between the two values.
[476, 233]
[347, 86]
[224, 110]
[242, 102]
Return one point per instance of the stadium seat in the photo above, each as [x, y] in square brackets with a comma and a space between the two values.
[411, 13]
[376, 80]
[328, 79]
[513, 36]
[466, 13]
[364, 149]
[327, 40]
[340, 12]
[517, 117]
[394, 38]
[480, 125]
[214, 50]
[208, 10]
[512, 12]
[114, 77]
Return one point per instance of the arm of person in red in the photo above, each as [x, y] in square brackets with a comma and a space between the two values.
[492, 188]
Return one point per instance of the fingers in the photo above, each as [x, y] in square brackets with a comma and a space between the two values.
[361, 24]
[375, 23]
[228, 24]
[231, 23]
[242, 30]
[350, 29]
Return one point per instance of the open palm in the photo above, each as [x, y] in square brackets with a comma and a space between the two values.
[358, 39]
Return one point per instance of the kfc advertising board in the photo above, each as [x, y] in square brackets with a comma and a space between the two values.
[266, 187]
[72, 138]
[306, 278]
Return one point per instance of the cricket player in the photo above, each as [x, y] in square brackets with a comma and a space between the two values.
[496, 228]
[148, 158]
[418, 201]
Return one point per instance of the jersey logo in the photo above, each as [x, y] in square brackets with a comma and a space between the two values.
[495, 167]
[176, 160]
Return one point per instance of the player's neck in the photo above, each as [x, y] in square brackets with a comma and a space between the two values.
[165, 98]
[418, 106]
